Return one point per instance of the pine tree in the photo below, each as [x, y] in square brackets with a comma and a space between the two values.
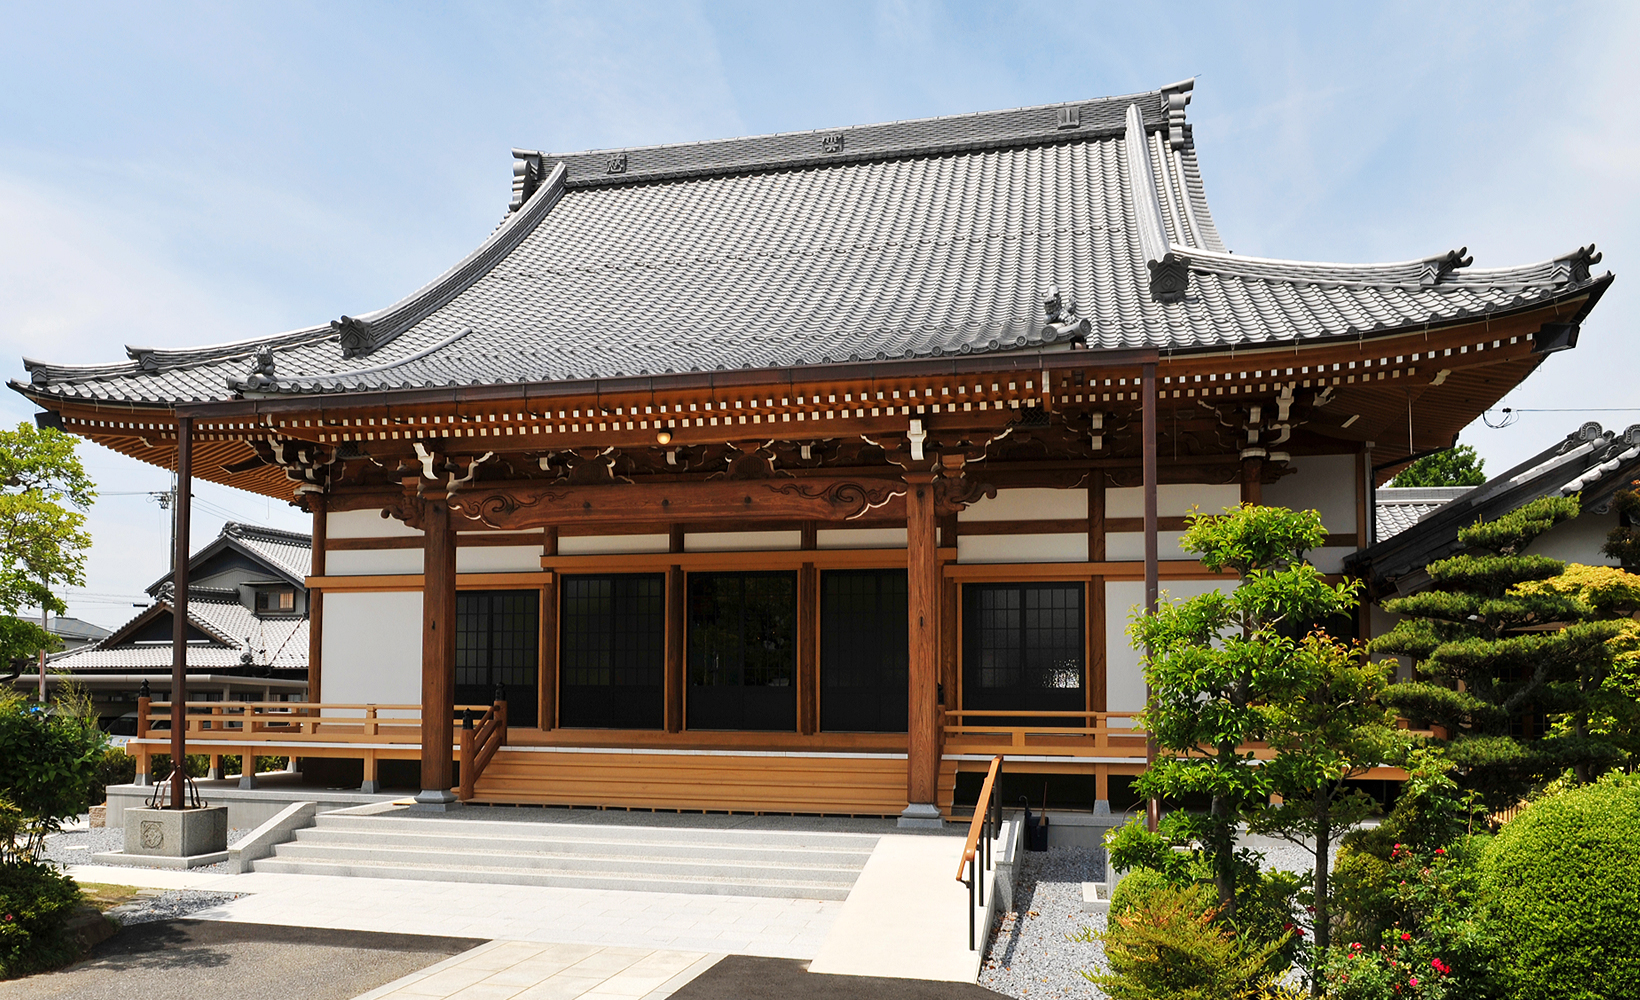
[1458, 466]
[1497, 661]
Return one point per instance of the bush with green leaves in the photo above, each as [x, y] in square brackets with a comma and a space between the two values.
[1168, 944]
[35, 903]
[48, 761]
[1564, 880]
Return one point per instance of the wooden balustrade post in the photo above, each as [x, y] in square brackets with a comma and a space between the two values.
[923, 677]
[438, 654]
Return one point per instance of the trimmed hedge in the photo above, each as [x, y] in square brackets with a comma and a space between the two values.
[35, 904]
[1564, 877]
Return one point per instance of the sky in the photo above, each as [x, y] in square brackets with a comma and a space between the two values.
[177, 174]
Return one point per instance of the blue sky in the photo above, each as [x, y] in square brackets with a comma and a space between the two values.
[182, 174]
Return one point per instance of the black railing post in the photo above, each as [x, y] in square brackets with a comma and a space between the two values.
[970, 905]
[466, 718]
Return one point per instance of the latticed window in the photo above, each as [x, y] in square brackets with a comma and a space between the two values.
[742, 651]
[612, 656]
[497, 642]
[1023, 646]
[863, 651]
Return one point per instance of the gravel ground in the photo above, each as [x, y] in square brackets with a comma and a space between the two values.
[168, 904]
[75, 846]
[1031, 955]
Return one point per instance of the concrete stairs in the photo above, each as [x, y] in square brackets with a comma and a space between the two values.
[727, 862]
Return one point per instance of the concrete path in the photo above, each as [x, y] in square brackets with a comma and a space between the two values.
[742, 978]
[906, 918]
[520, 970]
[190, 959]
[144, 878]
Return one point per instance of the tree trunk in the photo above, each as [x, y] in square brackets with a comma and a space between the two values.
[1323, 856]
[1224, 848]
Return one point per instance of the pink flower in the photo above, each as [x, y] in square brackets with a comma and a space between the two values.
[1405, 936]
[1440, 850]
[1413, 981]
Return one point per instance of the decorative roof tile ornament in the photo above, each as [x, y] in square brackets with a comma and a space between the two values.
[354, 335]
[1436, 268]
[1169, 277]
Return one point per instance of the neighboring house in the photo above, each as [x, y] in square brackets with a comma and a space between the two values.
[75, 633]
[762, 473]
[247, 637]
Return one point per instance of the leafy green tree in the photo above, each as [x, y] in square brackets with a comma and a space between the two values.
[1494, 662]
[1623, 543]
[44, 494]
[1325, 727]
[48, 761]
[1214, 664]
[1458, 466]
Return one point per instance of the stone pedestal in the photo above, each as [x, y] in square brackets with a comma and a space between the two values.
[172, 838]
[921, 816]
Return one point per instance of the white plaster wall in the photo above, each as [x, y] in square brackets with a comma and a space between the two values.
[1330, 559]
[1067, 547]
[498, 559]
[605, 545]
[373, 562]
[1578, 540]
[1124, 680]
[1122, 546]
[742, 541]
[366, 524]
[1323, 482]
[860, 538]
[1028, 505]
[1381, 622]
[1172, 499]
[372, 648]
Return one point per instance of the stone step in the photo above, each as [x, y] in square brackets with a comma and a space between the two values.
[654, 867]
[718, 886]
[468, 829]
[586, 842]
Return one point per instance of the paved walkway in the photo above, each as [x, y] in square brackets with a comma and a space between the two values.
[520, 970]
[747, 925]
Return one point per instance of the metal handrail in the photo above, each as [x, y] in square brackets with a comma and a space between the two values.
[977, 848]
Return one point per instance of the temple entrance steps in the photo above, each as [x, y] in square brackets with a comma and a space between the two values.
[790, 859]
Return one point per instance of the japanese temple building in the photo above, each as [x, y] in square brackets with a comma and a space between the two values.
[803, 472]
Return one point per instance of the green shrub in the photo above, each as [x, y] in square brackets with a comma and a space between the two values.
[1135, 887]
[1167, 945]
[48, 758]
[35, 903]
[1564, 877]
[114, 767]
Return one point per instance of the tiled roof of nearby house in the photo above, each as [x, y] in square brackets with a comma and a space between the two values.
[277, 643]
[1591, 462]
[287, 554]
[1399, 508]
[910, 239]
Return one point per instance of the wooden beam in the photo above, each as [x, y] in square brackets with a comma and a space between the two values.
[529, 504]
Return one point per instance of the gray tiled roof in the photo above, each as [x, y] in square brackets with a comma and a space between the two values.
[909, 239]
[1399, 508]
[281, 643]
[287, 550]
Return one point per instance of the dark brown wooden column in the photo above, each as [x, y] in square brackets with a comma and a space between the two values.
[438, 655]
[808, 650]
[1152, 569]
[675, 639]
[316, 599]
[179, 612]
[548, 713]
[923, 677]
[1252, 481]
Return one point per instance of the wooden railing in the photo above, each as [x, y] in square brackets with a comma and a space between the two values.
[479, 742]
[1067, 734]
[976, 850]
[293, 721]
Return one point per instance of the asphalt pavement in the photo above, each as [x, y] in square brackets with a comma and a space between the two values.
[189, 959]
[744, 977]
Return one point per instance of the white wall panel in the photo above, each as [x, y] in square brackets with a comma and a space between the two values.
[1124, 680]
[1330, 559]
[372, 648]
[366, 524]
[1028, 505]
[1323, 482]
[860, 538]
[605, 545]
[372, 562]
[498, 559]
[1577, 541]
[742, 541]
[1069, 547]
[1122, 546]
[1172, 499]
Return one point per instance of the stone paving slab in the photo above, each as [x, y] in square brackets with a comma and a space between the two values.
[525, 970]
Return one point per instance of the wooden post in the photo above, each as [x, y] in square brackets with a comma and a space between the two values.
[674, 666]
[1252, 481]
[438, 654]
[808, 640]
[179, 613]
[1152, 570]
[547, 708]
[923, 621]
[144, 706]
[316, 599]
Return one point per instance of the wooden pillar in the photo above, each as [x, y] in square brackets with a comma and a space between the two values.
[547, 708]
[808, 650]
[438, 655]
[923, 622]
[179, 612]
[1252, 481]
[1152, 569]
[316, 599]
[675, 650]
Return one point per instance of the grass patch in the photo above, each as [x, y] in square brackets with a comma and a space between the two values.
[105, 897]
